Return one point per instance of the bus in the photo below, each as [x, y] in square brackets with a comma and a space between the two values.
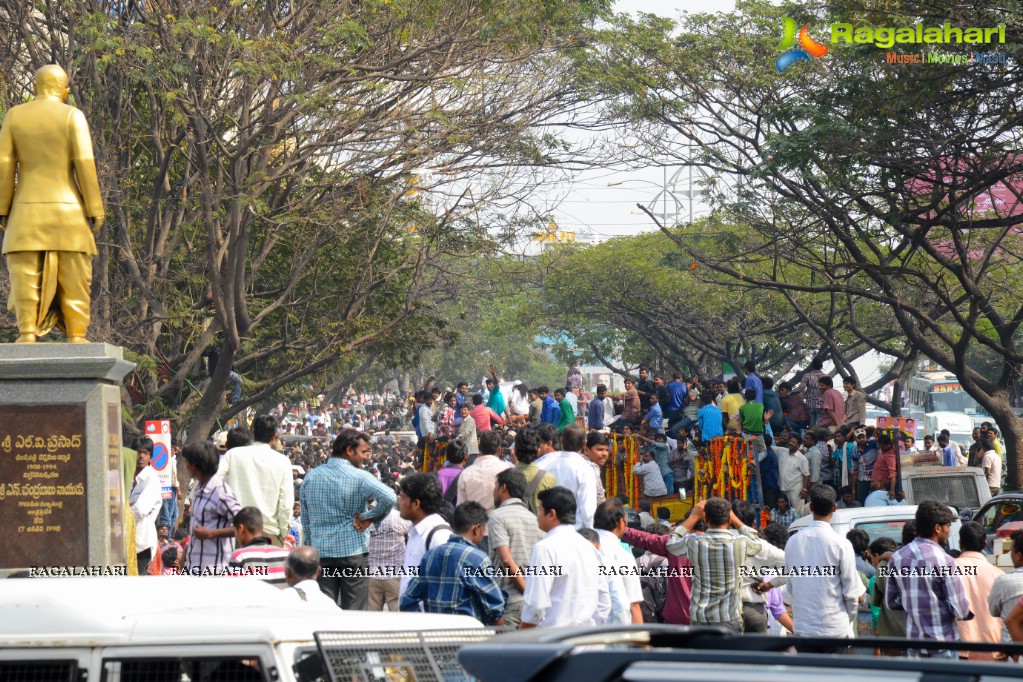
[941, 392]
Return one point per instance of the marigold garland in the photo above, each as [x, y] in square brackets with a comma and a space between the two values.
[729, 470]
[618, 477]
[433, 455]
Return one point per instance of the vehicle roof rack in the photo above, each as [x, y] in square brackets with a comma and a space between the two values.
[597, 654]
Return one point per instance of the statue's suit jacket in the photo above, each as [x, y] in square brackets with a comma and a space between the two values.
[47, 142]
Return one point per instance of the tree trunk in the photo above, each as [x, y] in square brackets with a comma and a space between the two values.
[1010, 426]
[900, 383]
[209, 407]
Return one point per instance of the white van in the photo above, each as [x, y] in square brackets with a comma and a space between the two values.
[177, 628]
[959, 427]
[877, 522]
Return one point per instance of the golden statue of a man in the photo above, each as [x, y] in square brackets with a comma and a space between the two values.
[49, 216]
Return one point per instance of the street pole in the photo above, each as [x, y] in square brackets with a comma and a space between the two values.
[690, 182]
[664, 196]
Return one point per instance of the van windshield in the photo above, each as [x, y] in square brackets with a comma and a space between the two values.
[884, 529]
[953, 401]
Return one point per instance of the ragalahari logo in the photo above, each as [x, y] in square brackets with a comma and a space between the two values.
[808, 47]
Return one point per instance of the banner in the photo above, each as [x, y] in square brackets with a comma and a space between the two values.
[906, 425]
[160, 433]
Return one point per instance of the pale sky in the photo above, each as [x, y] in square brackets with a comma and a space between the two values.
[603, 202]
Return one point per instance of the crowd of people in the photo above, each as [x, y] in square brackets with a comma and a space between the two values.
[516, 529]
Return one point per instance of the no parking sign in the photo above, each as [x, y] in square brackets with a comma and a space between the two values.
[160, 433]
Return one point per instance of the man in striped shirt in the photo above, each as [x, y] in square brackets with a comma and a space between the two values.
[213, 508]
[717, 557]
[513, 532]
[256, 556]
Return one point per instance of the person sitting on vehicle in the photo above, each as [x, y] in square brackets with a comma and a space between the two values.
[848, 500]
[878, 496]
[301, 569]
[783, 514]
[650, 473]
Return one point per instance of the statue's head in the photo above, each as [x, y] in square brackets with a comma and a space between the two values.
[52, 80]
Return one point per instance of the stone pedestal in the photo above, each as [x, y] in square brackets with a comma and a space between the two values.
[61, 480]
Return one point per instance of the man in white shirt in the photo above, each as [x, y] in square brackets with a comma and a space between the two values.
[577, 595]
[621, 609]
[570, 468]
[420, 501]
[793, 473]
[261, 477]
[825, 604]
[426, 425]
[145, 500]
[301, 569]
[610, 522]
[992, 465]
[572, 396]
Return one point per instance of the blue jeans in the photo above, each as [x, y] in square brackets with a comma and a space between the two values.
[669, 482]
[862, 490]
[169, 514]
[797, 428]
[815, 415]
[236, 380]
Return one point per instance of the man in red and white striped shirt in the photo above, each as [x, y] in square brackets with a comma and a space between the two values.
[256, 556]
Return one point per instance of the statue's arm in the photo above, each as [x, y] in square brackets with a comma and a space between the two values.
[8, 166]
[85, 169]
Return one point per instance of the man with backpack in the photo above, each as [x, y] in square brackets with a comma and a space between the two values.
[676, 578]
[420, 502]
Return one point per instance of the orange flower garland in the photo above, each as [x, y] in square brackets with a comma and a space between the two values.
[433, 455]
[620, 479]
[727, 471]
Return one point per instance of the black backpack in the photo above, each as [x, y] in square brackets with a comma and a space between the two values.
[655, 593]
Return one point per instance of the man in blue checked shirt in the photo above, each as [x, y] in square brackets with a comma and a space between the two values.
[457, 577]
[336, 517]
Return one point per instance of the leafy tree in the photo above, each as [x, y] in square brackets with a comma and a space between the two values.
[897, 187]
[294, 183]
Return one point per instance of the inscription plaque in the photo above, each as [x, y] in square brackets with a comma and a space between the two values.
[42, 485]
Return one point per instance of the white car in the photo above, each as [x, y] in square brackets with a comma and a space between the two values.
[877, 522]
